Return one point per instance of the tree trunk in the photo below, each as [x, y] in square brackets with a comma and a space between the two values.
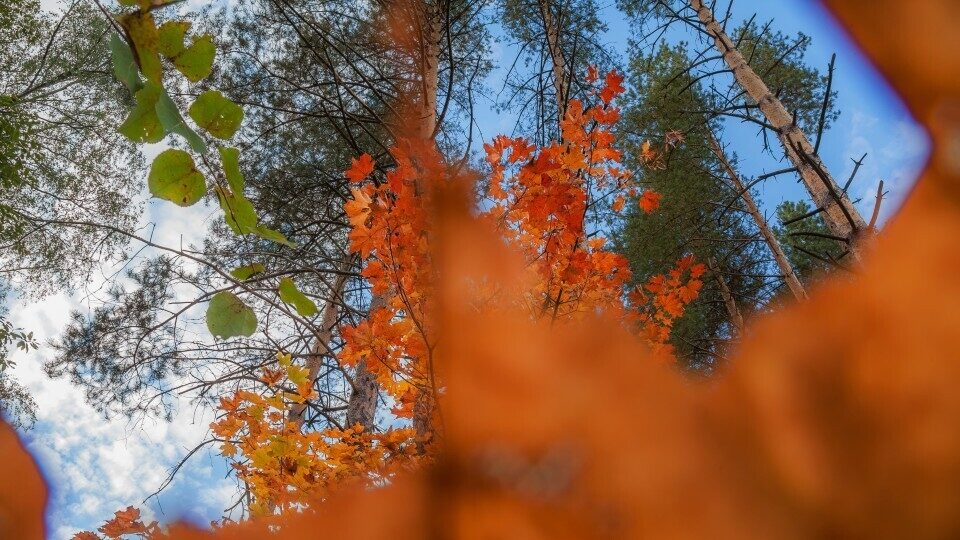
[778, 255]
[314, 362]
[735, 317]
[560, 75]
[362, 405]
[841, 216]
[430, 27]
[432, 32]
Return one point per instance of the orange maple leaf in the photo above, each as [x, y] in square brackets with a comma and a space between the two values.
[650, 201]
[360, 168]
[612, 87]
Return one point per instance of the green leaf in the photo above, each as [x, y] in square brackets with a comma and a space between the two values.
[124, 66]
[143, 32]
[228, 316]
[196, 61]
[238, 211]
[275, 236]
[290, 294]
[142, 124]
[174, 177]
[171, 36]
[174, 123]
[216, 114]
[246, 272]
[230, 159]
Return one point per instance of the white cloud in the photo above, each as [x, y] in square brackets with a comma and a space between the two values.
[96, 466]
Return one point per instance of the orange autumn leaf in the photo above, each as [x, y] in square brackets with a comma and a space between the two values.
[649, 201]
[360, 168]
[612, 87]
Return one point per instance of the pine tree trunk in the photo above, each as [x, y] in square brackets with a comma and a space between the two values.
[430, 22]
[839, 213]
[789, 276]
[728, 301]
[560, 75]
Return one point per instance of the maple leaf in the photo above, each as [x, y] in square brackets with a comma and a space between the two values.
[612, 87]
[618, 203]
[649, 201]
[360, 168]
[358, 208]
[124, 522]
[592, 74]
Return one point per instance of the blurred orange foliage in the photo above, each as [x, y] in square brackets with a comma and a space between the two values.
[837, 418]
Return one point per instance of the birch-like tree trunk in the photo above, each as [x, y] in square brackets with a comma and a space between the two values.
[783, 263]
[560, 75]
[432, 31]
[839, 213]
[321, 346]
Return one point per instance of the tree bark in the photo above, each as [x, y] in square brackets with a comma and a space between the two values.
[839, 213]
[362, 405]
[431, 30]
[778, 255]
[560, 75]
[297, 411]
[735, 317]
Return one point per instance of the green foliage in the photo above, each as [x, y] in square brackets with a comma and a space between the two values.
[196, 61]
[143, 125]
[143, 31]
[238, 211]
[173, 122]
[692, 217]
[246, 272]
[228, 316]
[290, 294]
[217, 114]
[174, 177]
[124, 65]
[230, 160]
[275, 236]
[62, 158]
[172, 34]
[99, 347]
[12, 336]
[805, 250]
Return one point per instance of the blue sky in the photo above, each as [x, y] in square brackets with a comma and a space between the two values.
[97, 466]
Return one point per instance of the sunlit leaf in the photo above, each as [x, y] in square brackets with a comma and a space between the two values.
[228, 316]
[290, 294]
[238, 211]
[142, 124]
[269, 234]
[216, 114]
[174, 177]
[230, 159]
[246, 272]
[143, 31]
[196, 61]
[173, 122]
[171, 35]
[124, 65]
